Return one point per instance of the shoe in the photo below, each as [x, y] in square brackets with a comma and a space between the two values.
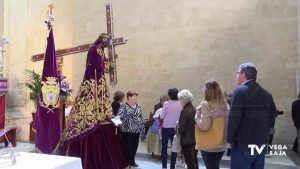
[268, 156]
[134, 165]
[180, 165]
[152, 154]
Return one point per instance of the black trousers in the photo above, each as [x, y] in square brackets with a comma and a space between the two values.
[131, 143]
[212, 159]
[190, 156]
[296, 142]
[295, 145]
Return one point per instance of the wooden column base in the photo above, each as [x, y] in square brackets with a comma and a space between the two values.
[11, 135]
[31, 133]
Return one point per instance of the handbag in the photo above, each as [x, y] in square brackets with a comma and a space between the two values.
[176, 146]
[212, 138]
[155, 127]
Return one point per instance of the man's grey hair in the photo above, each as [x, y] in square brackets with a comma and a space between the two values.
[186, 96]
[249, 69]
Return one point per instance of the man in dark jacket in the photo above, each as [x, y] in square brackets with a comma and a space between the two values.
[252, 111]
[296, 119]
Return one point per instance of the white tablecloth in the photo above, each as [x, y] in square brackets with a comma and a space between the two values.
[40, 161]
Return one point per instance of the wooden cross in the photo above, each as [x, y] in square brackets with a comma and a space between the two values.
[83, 48]
[51, 7]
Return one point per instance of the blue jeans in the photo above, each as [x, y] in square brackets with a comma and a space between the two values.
[241, 158]
[212, 159]
[167, 134]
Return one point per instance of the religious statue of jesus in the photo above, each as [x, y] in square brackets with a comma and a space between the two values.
[89, 134]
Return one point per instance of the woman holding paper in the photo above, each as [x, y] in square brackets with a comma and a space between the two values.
[132, 125]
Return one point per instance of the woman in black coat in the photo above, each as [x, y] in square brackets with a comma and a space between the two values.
[118, 99]
[186, 129]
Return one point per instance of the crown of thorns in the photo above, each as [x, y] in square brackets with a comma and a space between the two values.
[104, 35]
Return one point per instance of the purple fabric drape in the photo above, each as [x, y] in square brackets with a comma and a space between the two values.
[47, 123]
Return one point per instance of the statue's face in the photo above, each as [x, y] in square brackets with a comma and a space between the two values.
[105, 41]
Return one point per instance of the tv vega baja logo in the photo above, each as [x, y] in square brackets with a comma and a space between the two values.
[276, 150]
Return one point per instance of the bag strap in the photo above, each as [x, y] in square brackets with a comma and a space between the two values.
[210, 116]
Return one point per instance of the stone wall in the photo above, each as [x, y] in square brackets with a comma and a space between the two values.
[184, 43]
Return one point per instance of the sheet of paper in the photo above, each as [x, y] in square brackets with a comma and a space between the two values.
[117, 121]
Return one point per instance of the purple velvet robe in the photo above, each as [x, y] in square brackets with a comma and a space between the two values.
[89, 133]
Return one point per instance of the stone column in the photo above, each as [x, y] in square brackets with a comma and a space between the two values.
[1, 17]
[1, 30]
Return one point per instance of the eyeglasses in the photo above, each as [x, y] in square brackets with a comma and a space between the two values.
[238, 72]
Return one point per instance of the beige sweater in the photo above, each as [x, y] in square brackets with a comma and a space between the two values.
[203, 119]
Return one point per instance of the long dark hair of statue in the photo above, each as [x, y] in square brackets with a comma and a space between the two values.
[100, 41]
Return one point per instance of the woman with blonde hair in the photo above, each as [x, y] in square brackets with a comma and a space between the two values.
[212, 107]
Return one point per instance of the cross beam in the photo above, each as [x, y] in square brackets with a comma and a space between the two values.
[74, 50]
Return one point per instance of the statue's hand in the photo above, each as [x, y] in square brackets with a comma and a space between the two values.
[106, 67]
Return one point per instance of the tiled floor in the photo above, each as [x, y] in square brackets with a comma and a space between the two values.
[291, 160]
[145, 161]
